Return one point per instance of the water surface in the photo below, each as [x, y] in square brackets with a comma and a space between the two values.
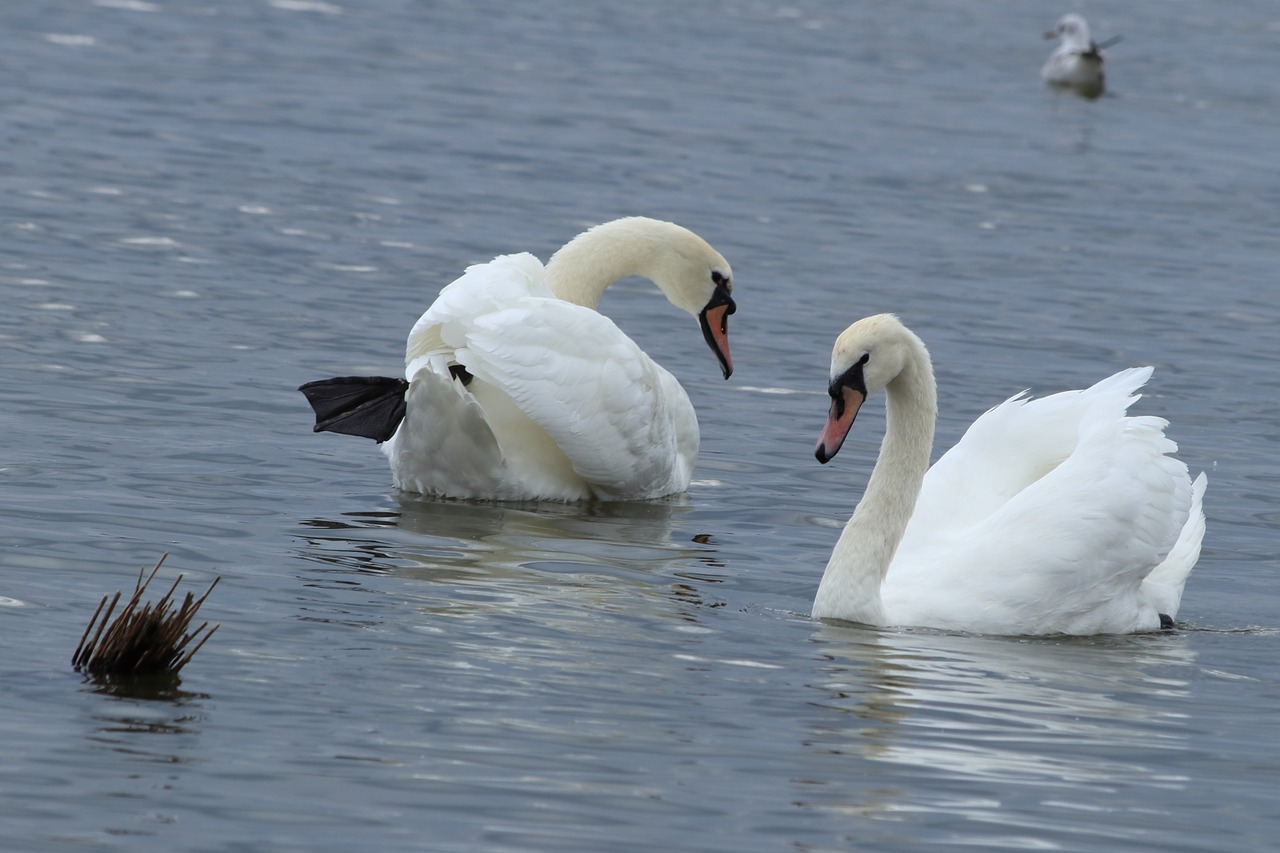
[206, 204]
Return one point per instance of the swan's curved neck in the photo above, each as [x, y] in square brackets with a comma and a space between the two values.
[583, 268]
[850, 587]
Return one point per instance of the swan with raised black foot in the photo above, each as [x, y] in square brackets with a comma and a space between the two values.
[517, 388]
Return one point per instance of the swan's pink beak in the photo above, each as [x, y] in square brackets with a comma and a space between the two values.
[714, 319]
[843, 410]
[718, 337]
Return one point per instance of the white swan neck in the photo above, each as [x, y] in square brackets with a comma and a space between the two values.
[850, 587]
[583, 268]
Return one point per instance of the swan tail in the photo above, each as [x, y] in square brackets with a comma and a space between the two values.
[1165, 583]
[367, 406]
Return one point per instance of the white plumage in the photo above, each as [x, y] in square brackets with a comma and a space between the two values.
[1077, 63]
[1055, 515]
[518, 389]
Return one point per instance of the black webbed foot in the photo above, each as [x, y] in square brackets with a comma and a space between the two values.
[367, 406]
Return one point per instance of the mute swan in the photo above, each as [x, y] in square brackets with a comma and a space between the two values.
[1077, 63]
[1057, 515]
[516, 388]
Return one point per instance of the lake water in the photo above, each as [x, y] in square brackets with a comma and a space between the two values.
[205, 204]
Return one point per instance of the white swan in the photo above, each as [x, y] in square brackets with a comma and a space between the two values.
[516, 388]
[1057, 515]
[1077, 63]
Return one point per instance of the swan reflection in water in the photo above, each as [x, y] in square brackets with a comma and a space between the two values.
[963, 718]
[483, 555]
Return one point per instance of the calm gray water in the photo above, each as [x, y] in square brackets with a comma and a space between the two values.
[204, 204]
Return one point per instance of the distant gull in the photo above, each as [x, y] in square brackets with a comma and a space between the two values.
[1077, 64]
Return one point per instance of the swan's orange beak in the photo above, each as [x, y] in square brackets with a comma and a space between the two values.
[714, 320]
[844, 408]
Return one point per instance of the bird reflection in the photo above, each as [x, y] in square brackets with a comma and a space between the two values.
[500, 554]
[1072, 128]
[1052, 711]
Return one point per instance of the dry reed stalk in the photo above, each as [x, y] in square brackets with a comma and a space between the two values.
[143, 640]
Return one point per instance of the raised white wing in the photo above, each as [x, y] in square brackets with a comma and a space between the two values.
[1047, 512]
[1011, 446]
[556, 397]
[482, 289]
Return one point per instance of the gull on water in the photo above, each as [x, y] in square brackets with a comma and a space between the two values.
[1077, 63]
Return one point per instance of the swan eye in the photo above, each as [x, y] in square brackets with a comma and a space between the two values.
[719, 280]
[866, 356]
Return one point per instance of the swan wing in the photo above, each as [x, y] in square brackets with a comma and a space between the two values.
[1011, 446]
[446, 444]
[1163, 587]
[623, 422]
[555, 401]
[481, 290]
[1059, 508]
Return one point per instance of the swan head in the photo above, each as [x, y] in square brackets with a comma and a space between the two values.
[693, 276]
[866, 357]
[1074, 32]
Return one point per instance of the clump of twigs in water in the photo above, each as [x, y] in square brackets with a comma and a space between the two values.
[143, 639]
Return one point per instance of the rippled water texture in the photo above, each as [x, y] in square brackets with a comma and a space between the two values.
[206, 204]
